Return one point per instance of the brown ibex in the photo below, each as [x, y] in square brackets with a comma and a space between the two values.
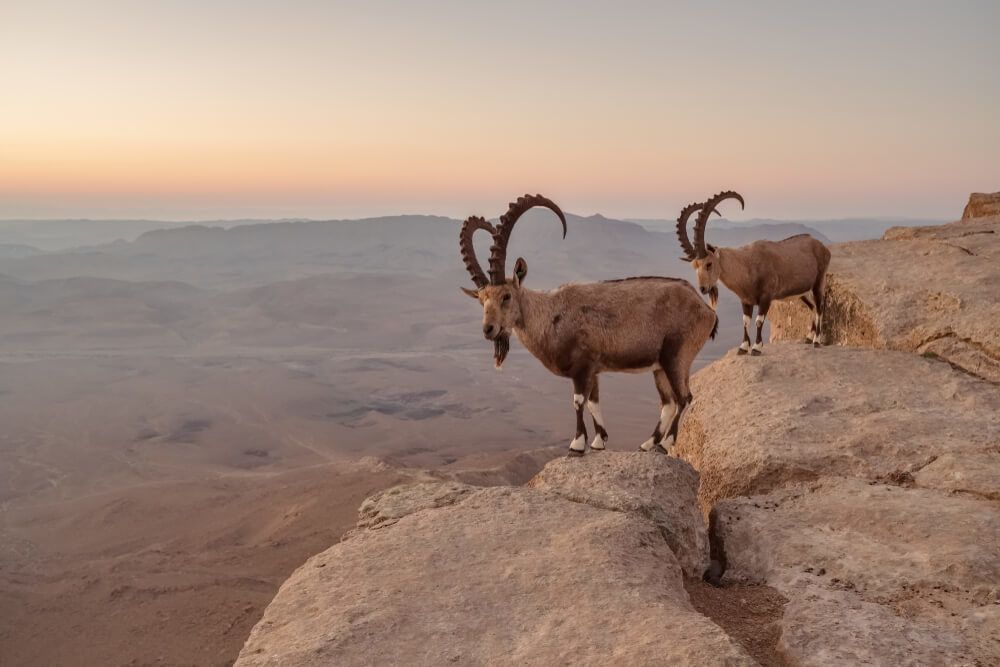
[758, 273]
[578, 331]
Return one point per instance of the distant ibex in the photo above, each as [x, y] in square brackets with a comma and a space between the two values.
[758, 273]
[580, 330]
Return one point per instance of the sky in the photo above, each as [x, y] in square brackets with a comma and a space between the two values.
[204, 110]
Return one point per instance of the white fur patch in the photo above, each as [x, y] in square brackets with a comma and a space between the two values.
[598, 443]
[667, 442]
[595, 412]
[746, 321]
[760, 320]
[758, 346]
[648, 445]
[577, 400]
[745, 346]
[579, 444]
[667, 413]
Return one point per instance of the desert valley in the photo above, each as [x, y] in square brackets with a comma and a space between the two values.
[191, 411]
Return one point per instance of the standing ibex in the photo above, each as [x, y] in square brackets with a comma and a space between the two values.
[758, 273]
[580, 330]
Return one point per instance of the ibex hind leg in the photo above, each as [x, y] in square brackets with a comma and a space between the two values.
[811, 336]
[678, 378]
[668, 408]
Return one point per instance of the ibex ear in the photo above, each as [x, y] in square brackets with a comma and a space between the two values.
[520, 271]
[471, 292]
[711, 248]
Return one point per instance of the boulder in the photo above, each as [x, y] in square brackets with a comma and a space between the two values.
[798, 413]
[503, 575]
[921, 565]
[661, 489]
[929, 290]
[981, 205]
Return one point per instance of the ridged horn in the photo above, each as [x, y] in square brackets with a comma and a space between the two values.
[682, 234]
[469, 228]
[699, 225]
[498, 252]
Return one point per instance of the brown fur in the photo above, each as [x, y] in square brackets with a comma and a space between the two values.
[765, 271]
[581, 330]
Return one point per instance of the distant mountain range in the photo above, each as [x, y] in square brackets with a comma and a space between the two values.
[834, 230]
[59, 235]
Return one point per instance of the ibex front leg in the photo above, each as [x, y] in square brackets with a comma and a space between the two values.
[581, 389]
[600, 441]
[758, 347]
[747, 317]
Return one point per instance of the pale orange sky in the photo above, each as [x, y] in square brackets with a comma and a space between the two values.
[187, 110]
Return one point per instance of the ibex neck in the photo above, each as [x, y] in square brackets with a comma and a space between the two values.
[536, 320]
[734, 273]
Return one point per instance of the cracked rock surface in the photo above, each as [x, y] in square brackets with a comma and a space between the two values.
[503, 575]
[929, 290]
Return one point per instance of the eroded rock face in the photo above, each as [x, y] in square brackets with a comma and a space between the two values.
[798, 413]
[929, 290]
[856, 558]
[498, 575]
[981, 205]
[659, 488]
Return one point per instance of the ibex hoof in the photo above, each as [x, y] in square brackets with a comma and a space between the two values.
[755, 353]
[807, 341]
[740, 351]
[573, 453]
[659, 449]
[817, 344]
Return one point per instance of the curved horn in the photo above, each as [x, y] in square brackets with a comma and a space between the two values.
[469, 228]
[706, 211]
[682, 233]
[498, 252]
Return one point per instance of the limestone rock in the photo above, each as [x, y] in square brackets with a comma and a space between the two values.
[970, 472]
[822, 627]
[507, 575]
[387, 507]
[929, 290]
[659, 488]
[929, 560]
[798, 413]
[981, 205]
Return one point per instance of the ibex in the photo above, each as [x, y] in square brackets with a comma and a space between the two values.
[758, 273]
[578, 331]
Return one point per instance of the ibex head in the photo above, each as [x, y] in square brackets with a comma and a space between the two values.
[500, 296]
[704, 258]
